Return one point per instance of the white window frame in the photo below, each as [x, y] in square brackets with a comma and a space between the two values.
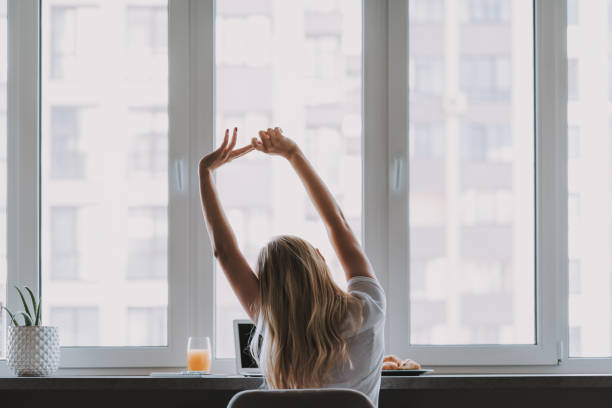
[385, 190]
[24, 185]
[550, 190]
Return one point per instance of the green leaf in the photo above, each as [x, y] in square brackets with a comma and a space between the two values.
[38, 316]
[34, 308]
[11, 315]
[27, 321]
[25, 305]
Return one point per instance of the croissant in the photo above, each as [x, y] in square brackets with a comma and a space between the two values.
[392, 358]
[409, 364]
[390, 365]
[391, 362]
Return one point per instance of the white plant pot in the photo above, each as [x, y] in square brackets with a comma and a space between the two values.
[33, 351]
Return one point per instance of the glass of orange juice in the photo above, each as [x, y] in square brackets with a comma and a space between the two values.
[198, 354]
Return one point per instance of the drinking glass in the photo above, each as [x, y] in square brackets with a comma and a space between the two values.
[198, 354]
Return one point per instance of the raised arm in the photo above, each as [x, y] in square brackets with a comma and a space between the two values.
[353, 258]
[225, 247]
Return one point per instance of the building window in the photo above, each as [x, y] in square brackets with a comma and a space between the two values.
[572, 12]
[428, 76]
[146, 28]
[148, 155]
[244, 41]
[78, 326]
[69, 25]
[575, 277]
[486, 78]
[572, 79]
[67, 159]
[147, 326]
[573, 142]
[427, 141]
[480, 142]
[426, 11]
[64, 243]
[488, 11]
[147, 244]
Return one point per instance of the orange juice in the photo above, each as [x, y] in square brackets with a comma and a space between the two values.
[198, 360]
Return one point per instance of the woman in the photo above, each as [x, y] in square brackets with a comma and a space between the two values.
[314, 333]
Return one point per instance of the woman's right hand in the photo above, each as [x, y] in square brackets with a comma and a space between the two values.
[224, 154]
[272, 141]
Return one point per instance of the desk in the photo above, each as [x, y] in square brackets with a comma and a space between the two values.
[455, 391]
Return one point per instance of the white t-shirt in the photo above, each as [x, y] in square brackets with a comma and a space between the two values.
[366, 345]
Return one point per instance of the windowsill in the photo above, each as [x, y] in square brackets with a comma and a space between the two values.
[432, 382]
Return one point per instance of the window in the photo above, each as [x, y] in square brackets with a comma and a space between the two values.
[428, 76]
[573, 142]
[104, 169]
[435, 124]
[325, 120]
[71, 29]
[427, 141]
[3, 163]
[426, 11]
[147, 258]
[590, 243]
[65, 137]
[572, 79]
[148, 142]
[575, 278]
[146, 41]
[572, 12]
[79, 326]
[488, 11]
[471, 251]
[64, 243]
[486, 78]
[147, 326]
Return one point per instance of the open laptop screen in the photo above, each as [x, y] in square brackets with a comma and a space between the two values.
[245, 331]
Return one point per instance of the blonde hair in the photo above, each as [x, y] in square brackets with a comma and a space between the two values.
[301, 316]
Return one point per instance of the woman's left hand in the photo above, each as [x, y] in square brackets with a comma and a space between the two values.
[225, 153]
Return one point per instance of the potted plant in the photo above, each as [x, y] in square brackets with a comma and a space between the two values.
[33, 349]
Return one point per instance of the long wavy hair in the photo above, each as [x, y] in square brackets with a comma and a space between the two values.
[301, 318]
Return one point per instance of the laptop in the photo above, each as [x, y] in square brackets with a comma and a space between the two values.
[246, 365]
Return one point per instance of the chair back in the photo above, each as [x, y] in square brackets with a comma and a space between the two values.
[305, 398]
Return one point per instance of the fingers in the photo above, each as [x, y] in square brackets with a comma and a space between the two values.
[234, 137]
[257, 145]
[228, 150]
[278, 131]
[225, 140]
[271, 135]
[241, 152]
[265, 140]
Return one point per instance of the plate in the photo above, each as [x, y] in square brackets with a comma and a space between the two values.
[405, 373]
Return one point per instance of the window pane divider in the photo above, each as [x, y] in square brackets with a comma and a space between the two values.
[22, 149]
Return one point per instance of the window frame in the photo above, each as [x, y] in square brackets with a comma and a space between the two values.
[24, 184]
[550, 189]
[385, 153]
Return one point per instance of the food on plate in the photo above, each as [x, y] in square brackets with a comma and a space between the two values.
[392, 362]
[390, 365]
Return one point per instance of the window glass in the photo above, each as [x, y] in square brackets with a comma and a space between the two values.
[296, 65]
[589, 139]
[104, 169]
[147, 326]
[3, 167]
[472, 173]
